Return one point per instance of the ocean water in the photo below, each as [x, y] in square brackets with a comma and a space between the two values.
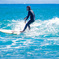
[41, 42]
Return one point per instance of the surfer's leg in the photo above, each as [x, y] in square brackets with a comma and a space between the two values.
[29, 27]
[28, 24]
[25, 27]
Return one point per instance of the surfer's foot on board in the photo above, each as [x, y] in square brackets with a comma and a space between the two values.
[21, 31]
[12, 32]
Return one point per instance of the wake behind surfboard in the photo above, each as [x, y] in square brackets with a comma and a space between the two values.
[9, 31]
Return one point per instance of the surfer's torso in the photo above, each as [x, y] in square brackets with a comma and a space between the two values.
[31, 14]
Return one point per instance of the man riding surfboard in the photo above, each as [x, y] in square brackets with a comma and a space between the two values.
[32, 18]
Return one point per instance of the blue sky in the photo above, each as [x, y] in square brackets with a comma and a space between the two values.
[29, 1]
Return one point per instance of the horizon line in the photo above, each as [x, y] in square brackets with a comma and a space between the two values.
[29, 3]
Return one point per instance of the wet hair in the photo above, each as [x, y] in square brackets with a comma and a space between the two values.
[29, 7]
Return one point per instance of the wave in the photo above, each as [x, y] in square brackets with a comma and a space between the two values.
[46, 28]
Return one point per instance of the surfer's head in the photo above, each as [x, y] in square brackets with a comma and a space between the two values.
[28, 8]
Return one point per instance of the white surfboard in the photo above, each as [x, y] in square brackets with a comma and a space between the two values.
[9, 31]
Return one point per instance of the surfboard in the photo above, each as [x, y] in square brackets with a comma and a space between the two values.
[9, 31]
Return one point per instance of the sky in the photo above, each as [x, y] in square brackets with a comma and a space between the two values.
[29, 1]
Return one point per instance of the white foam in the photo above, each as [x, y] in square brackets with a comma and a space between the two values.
[39, 27]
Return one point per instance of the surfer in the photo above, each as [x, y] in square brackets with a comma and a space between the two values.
[32, 18]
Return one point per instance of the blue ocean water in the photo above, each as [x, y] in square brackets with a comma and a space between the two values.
[41, 42]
